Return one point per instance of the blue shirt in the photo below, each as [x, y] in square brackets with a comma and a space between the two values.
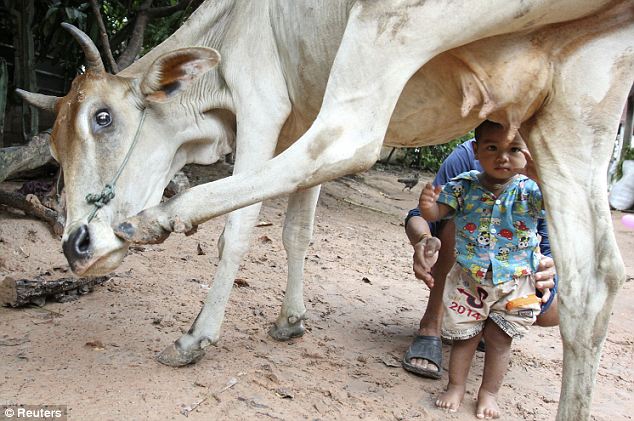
[499, 233]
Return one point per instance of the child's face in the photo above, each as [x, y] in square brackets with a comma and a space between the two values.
[499, 157]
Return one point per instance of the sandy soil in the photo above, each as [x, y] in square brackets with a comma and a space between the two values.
[96, 354]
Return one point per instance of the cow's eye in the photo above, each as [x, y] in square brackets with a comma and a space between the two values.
[103, 118]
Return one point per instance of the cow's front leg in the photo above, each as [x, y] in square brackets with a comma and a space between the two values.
[298, 231]
[383, 45]
[205, 330]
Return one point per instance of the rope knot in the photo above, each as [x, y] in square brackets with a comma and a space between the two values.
[101, 199]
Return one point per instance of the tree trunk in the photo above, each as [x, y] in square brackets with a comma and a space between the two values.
[22, 158]
[105, 43]
[32, 206]
[25, 63]
[135, 44]
[4, 84]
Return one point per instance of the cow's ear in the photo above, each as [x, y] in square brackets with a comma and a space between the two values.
[173, 72]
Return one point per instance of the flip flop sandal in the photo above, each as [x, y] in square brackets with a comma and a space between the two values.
[428, 348]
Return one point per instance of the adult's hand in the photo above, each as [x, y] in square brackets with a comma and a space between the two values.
[545, 277]
[425, 256]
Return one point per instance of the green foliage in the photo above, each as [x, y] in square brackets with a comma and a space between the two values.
[118, 16]
[51, 39]
[628, 155]
[429, 158]
[158, 30]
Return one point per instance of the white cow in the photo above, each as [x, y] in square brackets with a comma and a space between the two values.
[560, 69]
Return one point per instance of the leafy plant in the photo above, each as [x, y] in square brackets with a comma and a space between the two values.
[429, 158]
[119, 18]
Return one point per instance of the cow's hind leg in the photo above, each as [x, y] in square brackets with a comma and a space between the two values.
[298, 231]
[571, 139]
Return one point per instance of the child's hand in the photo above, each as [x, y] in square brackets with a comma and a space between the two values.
[428, 196]
[529, 169]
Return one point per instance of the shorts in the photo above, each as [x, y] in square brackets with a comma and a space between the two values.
[511, 305]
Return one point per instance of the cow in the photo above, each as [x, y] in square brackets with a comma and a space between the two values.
[309, 91]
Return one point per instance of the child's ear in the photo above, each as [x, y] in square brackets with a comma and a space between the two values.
[475, 148]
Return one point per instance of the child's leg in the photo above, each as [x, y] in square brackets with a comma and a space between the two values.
[459, 364]
[496, 361]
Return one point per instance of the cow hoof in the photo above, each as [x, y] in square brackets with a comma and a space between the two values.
[141, 229]
[287, 332]
[174, 356]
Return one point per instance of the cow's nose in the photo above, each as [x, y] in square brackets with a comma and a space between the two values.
[77, 246]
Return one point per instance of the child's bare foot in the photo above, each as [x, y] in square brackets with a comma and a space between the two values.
[487, 407]
[452, 398]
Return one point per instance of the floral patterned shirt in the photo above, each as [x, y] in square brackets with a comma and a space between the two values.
[497, 233]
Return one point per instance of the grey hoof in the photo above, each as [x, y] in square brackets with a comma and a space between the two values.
[287, 332]
[174, 356]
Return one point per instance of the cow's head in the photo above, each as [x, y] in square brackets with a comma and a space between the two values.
[94, 129]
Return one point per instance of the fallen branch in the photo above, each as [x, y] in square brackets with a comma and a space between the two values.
[28, 157]
[31, 206]
[20, 292]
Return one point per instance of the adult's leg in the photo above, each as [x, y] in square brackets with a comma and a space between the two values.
[431, 321]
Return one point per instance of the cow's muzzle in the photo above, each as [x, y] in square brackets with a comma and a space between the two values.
[78, 247]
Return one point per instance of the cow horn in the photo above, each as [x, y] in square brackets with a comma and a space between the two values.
[43, 102]
[93, 58]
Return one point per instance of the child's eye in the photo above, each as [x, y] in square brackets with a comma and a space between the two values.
[516, 150]
[491, 148]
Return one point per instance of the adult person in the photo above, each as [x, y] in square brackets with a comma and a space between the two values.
[433, 259]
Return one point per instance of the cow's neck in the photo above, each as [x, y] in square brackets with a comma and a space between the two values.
[195, 137]
[199, 129]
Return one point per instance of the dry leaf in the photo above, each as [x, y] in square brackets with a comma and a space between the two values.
[97, 345]
[240, 283]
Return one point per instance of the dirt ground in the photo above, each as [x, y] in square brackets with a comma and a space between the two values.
[97, 354]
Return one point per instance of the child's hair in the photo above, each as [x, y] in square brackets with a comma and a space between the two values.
[486, 125]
